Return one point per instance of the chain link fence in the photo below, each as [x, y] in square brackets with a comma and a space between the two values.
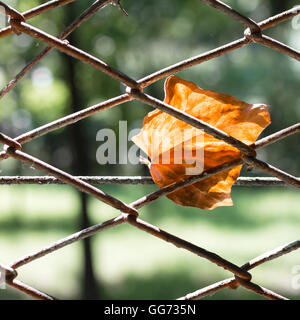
[134, 90]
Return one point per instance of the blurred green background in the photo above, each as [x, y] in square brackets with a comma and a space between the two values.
[123, 262]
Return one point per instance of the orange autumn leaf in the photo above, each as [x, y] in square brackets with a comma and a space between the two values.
[186, 148]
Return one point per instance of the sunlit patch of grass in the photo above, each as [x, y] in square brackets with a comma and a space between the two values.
[52, 273]
[37, 207]
[132, 264]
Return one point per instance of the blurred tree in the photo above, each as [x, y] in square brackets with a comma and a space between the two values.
[155, 35]
[80, 163]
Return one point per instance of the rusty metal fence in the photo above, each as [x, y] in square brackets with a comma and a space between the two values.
[134, 90]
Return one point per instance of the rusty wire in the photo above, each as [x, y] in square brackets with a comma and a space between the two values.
[133, 180]
[134, 90]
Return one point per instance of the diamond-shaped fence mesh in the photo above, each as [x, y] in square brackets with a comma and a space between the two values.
[134, 90]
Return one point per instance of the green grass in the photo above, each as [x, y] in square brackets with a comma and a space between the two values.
[130, 264]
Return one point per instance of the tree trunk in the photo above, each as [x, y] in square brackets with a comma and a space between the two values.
[80, 164]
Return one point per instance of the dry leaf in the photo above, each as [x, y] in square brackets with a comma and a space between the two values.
[172, 145]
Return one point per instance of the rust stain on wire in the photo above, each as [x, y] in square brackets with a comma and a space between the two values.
[36, 11]
[13, 146]
[130, 180]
